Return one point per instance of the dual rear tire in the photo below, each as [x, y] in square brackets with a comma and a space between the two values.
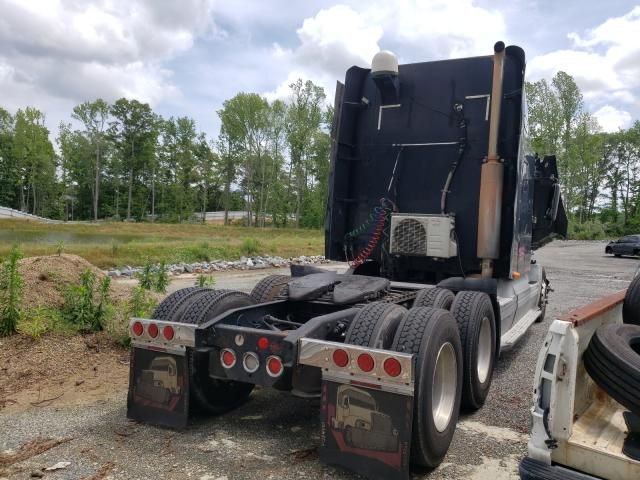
[431, 334]
[197, 306]
[455, 355]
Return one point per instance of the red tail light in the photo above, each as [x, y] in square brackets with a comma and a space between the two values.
[365, 362]
[340, 358]
[168, 332]
[228, 358]
[274, 366]
[138, 329]
[263, 343]
[153, 330]
[392, 367]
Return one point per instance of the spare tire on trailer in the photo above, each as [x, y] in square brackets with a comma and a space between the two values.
[631, 305]
[434, 297]
[612, 359]
[375, 325]
[270, 287]
[432, 335]
[474, 314]
[211, 395]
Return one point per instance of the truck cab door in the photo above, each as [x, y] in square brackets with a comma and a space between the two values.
[549, 216]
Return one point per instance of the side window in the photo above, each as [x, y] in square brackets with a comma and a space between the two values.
[345, 402]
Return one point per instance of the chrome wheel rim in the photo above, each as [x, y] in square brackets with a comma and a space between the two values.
[484, 350]
[445, 385]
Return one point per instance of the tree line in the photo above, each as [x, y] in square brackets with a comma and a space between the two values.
[271, 159]
[599, 172]
[125, 161]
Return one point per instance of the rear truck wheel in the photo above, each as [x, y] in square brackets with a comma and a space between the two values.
[477, 325]
[210, 395]
[167, 308]
[270, 287]
[612, 359]
[375, 325]
[544, 297]
[432, 335]
[631, 305]
[434, 297]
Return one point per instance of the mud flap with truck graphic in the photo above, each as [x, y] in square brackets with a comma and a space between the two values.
[159, 377]
[366, 418]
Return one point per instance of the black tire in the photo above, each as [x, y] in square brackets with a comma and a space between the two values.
[270, 287]
[607, 251]
[434, 297]
[531, 469]
[614, 364]
[423, 332]
[212, 396]
[375, 325]
[631, 305]
[617, 255]
[205, 307]
[544, 297]
[167, 308]
[470, 309]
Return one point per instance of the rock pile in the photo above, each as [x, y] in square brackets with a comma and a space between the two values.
[245, 263]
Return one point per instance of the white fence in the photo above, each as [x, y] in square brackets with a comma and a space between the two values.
[6, 212]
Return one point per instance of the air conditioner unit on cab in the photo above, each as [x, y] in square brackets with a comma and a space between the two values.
[422, 235]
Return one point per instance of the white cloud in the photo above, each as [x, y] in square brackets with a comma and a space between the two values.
[63, 52]
[338, 37]
[605, 60]
[612, 119]
[441, 28]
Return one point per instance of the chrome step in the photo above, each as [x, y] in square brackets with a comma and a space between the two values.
[509, 339]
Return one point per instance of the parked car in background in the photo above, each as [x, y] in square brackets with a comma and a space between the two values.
[628, 245]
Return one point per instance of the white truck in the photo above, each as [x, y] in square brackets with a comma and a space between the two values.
[586, 394]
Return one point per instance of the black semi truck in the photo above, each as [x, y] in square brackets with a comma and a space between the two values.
[436, 202]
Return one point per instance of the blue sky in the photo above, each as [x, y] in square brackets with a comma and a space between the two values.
[186, 57]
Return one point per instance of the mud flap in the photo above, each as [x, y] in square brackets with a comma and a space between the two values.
[158, 388]
[366, 429]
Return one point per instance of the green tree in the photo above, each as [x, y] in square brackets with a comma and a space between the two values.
[134, 133]
[36, 162]
[94, 116]
[304, 118]
[245, 121]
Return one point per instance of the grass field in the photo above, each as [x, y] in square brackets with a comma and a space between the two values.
[118, 244]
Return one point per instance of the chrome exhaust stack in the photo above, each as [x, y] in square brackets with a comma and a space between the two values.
[492, 175]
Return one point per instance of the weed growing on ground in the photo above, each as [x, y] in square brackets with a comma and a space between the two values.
[60, 247]
[140, 304]
[86, 304]
[250, 246]
[11, 285]
[145, 277]
[37, 321]
[151, 278]
[204, 281]
[162, 278]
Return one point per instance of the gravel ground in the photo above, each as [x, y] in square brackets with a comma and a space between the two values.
[274, 435]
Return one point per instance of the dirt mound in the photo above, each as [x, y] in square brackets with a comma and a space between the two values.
[60, 370]
[45, 278]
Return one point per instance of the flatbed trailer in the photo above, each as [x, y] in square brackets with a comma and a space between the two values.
[436, 203]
